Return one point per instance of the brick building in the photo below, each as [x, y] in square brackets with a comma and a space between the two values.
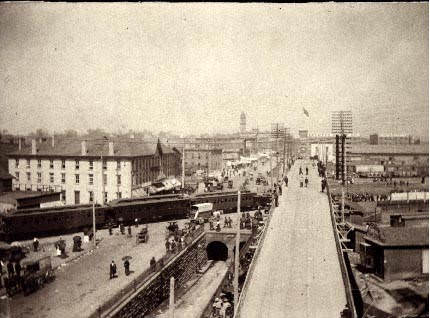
[203, 159]
[84, 171]
[376, 139]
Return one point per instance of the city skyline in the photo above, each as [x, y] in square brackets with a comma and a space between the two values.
[184, 68]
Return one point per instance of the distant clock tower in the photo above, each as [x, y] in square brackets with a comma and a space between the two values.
[242, 123]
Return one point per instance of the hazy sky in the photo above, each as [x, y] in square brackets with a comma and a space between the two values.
[192, 68]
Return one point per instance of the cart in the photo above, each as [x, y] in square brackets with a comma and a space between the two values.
[36, 273]
[142, 236]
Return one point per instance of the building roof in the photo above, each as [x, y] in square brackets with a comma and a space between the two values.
[400, 236]
[12, 197]
[4, 174]
[95, 148]
[421, 149]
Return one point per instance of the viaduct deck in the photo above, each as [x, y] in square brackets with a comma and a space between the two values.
[297, 273]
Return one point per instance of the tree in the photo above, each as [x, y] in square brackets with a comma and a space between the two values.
[70, 133]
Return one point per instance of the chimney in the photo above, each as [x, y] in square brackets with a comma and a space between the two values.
[53, 141]
[19, 143]
[83, 148]
[111, 153]
[33, 147]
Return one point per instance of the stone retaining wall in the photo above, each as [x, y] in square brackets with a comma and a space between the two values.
[156, 290]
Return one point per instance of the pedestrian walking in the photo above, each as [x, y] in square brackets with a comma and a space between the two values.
[167, 246]
[127, 267]
[300, 171]
[307, 171]
[275, 195]
[35, 244]
[323, 184]
[152, 264]
[112, 270]
[306, 182]
[280, 190]
[286, 181]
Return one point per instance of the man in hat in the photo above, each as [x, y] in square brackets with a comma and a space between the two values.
[112, 270]
[286, 181]
[323, 184]
[35, 244]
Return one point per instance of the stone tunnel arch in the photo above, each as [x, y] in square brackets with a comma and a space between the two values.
[217, 251]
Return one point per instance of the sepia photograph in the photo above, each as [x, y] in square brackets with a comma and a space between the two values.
[214, 160]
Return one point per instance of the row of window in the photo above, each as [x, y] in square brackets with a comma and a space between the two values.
[91, 196]
[63, 164]
[63, 178]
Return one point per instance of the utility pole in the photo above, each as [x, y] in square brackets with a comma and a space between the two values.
[103, 181]
[283, 166]
[271, 171]
[183, 166]
[94, 224]
[172, 298]
[236, 257]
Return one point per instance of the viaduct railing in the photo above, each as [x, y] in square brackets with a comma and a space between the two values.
[343, 267]
[252, 265]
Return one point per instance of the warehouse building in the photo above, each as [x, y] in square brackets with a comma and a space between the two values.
[91, 170]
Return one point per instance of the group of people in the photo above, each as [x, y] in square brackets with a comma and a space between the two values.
[113, 270]
[222, 308]
[303, 179]
[174, 243]
[228, 222]
[364, 196]
[10, 275]
[246, 222]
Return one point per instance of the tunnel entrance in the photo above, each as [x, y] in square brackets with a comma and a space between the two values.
[217, 251]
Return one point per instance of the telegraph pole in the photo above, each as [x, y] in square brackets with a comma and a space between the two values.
[341, 126]
[172, 298]
[271, 171]
[183, 166]
[283, 166]
[94, 224]
[236, 257]
[103, 182]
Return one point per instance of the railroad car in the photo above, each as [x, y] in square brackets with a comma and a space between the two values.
[67, 219]
[26, 225]
[149, 210]
[227, 201]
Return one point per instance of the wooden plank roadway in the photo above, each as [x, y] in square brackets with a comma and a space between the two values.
[297, 273]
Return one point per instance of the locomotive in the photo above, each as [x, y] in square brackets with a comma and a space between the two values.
[26, 224]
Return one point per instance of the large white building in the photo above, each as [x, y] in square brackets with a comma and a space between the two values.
[91, 170]
[324, 151]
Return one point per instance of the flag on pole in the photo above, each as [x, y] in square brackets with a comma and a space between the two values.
[306, 112]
